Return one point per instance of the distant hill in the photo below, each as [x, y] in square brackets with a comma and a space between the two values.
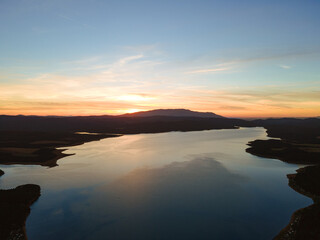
[118, 124]
[173, 113]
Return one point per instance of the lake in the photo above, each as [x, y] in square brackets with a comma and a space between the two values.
[176, 185]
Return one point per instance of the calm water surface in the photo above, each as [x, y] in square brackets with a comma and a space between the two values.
[194, 185]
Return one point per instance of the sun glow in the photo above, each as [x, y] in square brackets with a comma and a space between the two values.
[133, 110]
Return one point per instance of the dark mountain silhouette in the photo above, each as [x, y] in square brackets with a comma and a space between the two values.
[141, 122]
[118, 124]
[173, 113]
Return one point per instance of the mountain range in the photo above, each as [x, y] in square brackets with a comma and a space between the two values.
[172, 113]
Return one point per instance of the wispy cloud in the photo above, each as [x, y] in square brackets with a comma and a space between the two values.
[209, 70]
[285, 66]
[126, 60]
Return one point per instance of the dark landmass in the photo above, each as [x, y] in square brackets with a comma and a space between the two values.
[119, 125]
[304, 223]
[299, 140]
[40, 148]
[307, 182]
[173, 113]
[14, 210]
[34, 139]
[1, 172]
[153, 122]
[300, 153]
[292, 129]
[299, 143]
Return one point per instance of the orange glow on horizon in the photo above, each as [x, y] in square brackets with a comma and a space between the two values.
[133, 110]
[248, 113]
[99, 94]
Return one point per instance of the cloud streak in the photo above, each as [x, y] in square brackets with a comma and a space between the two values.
[285, 66]
[210, 70]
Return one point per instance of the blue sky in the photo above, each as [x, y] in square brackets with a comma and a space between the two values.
[229, 57]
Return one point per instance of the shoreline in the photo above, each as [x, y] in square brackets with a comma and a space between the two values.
[286, 151]
[304, 223]
[15, 203]
[41, 148]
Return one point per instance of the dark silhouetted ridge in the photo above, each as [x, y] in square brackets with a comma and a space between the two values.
[173, 113]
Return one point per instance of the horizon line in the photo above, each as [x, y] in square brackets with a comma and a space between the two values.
[119, 115]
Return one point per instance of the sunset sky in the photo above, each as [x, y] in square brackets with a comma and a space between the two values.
[95, 57]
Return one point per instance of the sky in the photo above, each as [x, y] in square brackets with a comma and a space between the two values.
[95, 57]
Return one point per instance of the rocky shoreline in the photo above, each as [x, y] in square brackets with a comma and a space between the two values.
[14, 210]
[305, 222]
